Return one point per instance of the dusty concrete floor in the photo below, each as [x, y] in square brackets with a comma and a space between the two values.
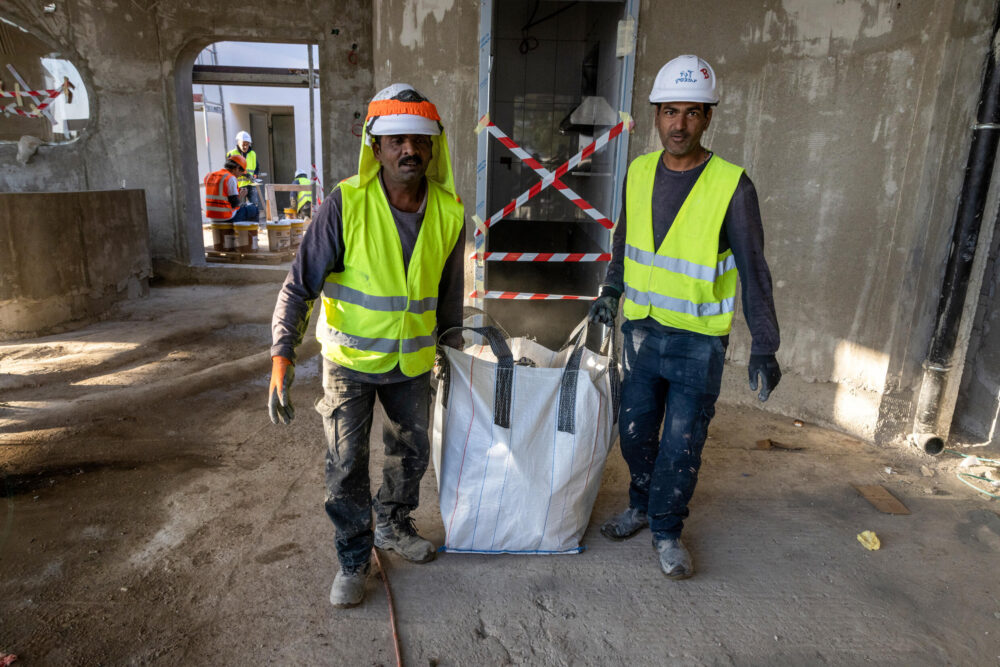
[152, 514]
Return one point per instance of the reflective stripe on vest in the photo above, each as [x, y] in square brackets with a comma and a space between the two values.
[303, 196]
[251, 158]
[377, 313]
[216, 202]
[686, 283]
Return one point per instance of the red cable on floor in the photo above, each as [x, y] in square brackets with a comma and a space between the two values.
[392, 611]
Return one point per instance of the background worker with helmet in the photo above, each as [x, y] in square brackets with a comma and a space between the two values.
[690, 224]
[222, 200]
[244, 148]
[302, 200]
[385, 253]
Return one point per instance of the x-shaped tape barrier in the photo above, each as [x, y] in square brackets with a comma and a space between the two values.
[38, 107]
[549, 178]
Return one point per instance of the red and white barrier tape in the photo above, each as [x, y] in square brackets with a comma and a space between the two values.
[319, 186]
[53, 93]
[626, 124]
[529, 296]
[537, 167]
[544, 256]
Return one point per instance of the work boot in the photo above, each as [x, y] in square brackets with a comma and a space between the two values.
[675, 561]
[400, 536]
[348, 588]
[625, 525]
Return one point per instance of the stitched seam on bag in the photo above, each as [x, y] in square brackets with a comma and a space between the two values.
[461, 466]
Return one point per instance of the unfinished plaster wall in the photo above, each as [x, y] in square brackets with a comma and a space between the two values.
[433, 45]
[851, 118]
[136, 58]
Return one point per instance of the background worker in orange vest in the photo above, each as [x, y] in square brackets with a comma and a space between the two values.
[244, 149]
[222, 195]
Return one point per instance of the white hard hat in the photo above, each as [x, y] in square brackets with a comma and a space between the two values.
[685, 79]
[300, 172]
[243, 136]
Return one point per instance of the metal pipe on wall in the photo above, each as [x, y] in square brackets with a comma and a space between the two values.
[968, 221]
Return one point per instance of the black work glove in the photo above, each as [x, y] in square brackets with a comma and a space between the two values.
[766, 366]
[604, 310]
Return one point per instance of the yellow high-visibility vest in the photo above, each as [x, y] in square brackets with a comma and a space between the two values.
[251, 158]
[377, 313]
[686, 283]
[303, 196]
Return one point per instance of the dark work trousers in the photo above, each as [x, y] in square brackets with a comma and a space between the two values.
[347, 407]
[677, 374]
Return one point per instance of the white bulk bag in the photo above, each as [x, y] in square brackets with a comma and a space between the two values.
[519, 450]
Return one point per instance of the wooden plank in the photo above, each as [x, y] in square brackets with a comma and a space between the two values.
[259, 257]
[774, 444]
[881, 499]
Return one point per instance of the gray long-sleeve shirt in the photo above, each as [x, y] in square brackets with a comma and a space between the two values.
[322, 253]
[742, 231]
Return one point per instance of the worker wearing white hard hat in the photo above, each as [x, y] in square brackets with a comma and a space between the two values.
[691, 224]
[244, 148]
[385, 255]
[302, 199]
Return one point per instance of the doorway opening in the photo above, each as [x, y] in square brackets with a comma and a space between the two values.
[557, 76]
[259, 101]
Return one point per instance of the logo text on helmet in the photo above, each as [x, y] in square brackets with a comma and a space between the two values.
[704, 71]
[687, 76]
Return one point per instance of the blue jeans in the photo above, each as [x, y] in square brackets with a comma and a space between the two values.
[677, 374]
[347, 407]
[245, 213]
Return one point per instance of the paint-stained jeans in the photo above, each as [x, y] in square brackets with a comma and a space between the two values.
[347, 406]
[679, 375]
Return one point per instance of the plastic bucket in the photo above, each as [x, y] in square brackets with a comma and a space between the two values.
[223, 237]
[290, 212]
[246, 236]
[298, 229]
[279, 236]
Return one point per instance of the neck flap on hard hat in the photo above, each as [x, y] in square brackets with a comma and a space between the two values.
[438, 171]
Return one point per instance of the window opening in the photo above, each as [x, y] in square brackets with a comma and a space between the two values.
[42, 94]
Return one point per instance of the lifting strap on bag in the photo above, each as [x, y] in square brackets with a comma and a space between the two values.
[504, 381]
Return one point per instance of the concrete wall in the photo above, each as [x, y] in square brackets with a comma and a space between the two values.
[136, 59]
[66, 258]
[851, 118]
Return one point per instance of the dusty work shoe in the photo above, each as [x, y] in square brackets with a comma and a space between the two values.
[625, 525]
[348, 588]
[675, 561]
[400, 536]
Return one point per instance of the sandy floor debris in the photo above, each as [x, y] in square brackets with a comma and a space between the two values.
[148, 517]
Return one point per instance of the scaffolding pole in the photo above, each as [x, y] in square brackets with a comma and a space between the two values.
[312, 133]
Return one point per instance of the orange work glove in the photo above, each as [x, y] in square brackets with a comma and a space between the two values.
[279, 402]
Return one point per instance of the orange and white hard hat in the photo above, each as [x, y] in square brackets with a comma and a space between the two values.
[400, 109]
[239, 159]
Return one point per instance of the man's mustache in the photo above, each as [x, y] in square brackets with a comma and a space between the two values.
[414, 160]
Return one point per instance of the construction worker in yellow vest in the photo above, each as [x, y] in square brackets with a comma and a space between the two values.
[303, 198]
[384, 254]
[691, 224]
[244, 148]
